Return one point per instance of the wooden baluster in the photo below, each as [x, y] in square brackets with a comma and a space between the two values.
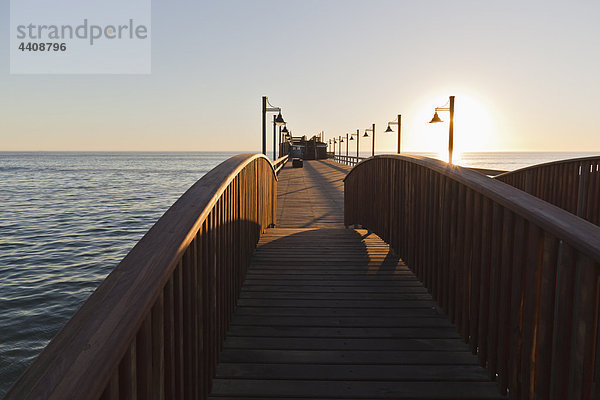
[461, 264]
[188, 317]
[474, 285]
[453, 244]
[127, 374]
[195, 315]
[444, 300]
[485, 291]
[170, 342]
[513, 349]
[504, 303]
[584, 329]
[563, 320]
[539, 373]
[144, 359]
[179, 330]
[203, 261]
[158, 349]
[531, 288]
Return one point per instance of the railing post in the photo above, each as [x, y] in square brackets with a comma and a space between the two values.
[584, 170]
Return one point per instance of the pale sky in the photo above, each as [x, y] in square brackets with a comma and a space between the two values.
[526, 76]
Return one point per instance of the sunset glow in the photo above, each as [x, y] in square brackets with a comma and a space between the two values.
[331, 77]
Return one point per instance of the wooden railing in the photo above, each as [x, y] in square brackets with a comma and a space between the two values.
[352, 161]
[573, 185]
[154, 328]
[348, 160]
[280, 163]
[518, 276]
[486, 171]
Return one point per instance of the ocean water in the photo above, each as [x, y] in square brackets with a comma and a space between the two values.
[67, 219]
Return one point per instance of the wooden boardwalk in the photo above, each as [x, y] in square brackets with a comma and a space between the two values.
[332, 313]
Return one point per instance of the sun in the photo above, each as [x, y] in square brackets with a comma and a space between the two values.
[473, 126]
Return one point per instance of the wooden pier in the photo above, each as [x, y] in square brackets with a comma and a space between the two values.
[255, 284]
[328, 312]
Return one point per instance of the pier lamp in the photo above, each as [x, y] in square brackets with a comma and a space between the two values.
[357, 134]
[340, 147]
[285, 134]
[436, 118]
[367, 135]
[347, 141]
[277, 121]
[389, 129]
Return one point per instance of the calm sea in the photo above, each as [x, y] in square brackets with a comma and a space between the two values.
[67, 219]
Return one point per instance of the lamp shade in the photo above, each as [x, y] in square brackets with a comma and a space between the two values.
[366, 134]
[436, 118]
[389, 129]
[279, 120]
[351, 138]
[284, 130]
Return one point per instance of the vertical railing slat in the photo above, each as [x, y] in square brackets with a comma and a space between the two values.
[158, 349]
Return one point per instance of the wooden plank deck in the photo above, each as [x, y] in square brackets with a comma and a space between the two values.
[333, 313]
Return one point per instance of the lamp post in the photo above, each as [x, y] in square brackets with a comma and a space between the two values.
[390, 130]
[346, 147]
[340, 146]
[357, 142]
[367, 135]
[277, 121]
[285, 134]
[436, 118]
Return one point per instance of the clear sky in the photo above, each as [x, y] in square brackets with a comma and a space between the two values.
[526, 76]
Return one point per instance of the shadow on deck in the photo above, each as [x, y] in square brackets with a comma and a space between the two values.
[328, 312]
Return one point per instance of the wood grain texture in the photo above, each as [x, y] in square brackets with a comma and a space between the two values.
[328, 312]
[334, 313]
[511, 270]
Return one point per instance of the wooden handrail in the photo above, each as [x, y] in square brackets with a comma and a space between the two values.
[487, 171]
[348, 160]
[353, 160]
[573, 185]
[280, 163]
[518, 276]
[154, 327]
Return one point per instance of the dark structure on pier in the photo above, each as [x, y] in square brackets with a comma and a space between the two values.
[307, 149]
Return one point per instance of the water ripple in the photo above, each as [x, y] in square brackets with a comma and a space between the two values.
[66, 220]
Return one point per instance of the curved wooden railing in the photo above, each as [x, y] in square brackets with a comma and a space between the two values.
[573, 185]
[352, 161]
[280, 163]
[518, 276]
[154, 328]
